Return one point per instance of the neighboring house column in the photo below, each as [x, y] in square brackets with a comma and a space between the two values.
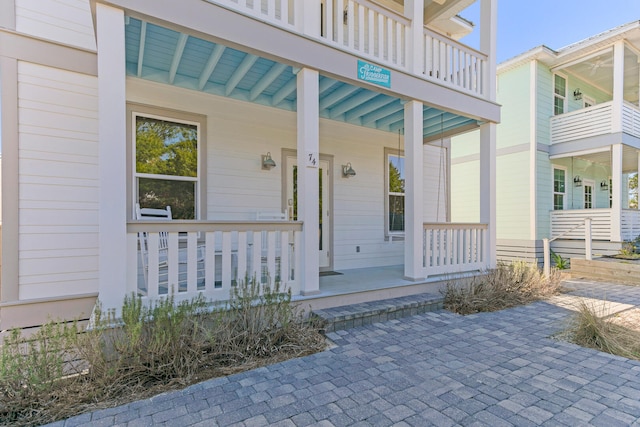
[488, 30]
[488, 188]
[9, 282]
[616, 194]
[414, 165]
[618, 87]
[414, 10]
[112, 151]
[308, 117]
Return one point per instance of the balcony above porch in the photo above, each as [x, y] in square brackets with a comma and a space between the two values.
[596, 121]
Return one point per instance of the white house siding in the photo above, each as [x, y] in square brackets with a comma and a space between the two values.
[239, 132]
[64, 21]
[465, 182]
[58, 182]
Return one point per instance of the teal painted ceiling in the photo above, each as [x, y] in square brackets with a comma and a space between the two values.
[166, 56]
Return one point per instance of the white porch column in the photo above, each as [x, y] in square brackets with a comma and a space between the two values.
[308, 117]
[414, 10]
[618, 87]
[616, 193]
[488, 36]
[414, 164]
[638, 189]
[307, 15]
[488, 188]
[112, 152]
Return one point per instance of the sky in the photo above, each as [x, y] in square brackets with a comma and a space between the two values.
[523, 25]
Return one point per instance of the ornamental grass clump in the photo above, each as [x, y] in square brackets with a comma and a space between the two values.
[592, 327]
[59, 372]
[508, 285]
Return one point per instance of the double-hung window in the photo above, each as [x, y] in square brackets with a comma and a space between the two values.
[394, 183]
[559, 184]
[559, 94]
[166, 167]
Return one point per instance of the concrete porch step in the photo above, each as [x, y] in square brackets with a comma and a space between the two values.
[366, 313]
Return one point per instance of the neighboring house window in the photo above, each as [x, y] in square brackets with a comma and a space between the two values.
[559, 94]
[394, 162]
[588, 101]
[166, 170]
[559, 192]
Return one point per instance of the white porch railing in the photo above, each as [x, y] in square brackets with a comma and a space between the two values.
[630, 224]
[207, 257]
[453, 64]
[564, 223]
[630, 119]
[373, 32]
[592, 121]
[454, 248]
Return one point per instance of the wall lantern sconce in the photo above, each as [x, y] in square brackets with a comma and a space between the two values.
[267, 162]
[577, 181]
[604, 185]
[347, 171]
[577, 95]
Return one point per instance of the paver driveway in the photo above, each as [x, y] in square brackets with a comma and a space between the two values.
[490, 369]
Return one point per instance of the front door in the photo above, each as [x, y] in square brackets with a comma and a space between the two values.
[324, 208]
[588, 195]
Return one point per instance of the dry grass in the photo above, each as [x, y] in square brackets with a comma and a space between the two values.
[618, 334]
[508, 285]
[156, 348]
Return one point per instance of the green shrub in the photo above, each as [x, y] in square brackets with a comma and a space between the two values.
[560, 263]
[33, 370]
[150, 349]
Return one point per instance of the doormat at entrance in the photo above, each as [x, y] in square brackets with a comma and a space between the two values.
[329, 273]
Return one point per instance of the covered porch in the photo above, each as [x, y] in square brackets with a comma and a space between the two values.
[247, 106]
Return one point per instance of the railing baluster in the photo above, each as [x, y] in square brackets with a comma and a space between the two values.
[153, 240]
[209, 261]
[339, 22]
[174, 264]
[192, 262]
[242, 256]
[257, 256]
[284, 258]
[329, 19]
[226, 260]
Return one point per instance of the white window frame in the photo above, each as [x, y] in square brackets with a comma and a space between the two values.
[387, 232]
[179, 117]
[586, 99]
[555, 95]
[554, 192]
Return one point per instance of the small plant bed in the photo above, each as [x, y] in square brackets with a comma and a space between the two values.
[60, 371]
[508, 285]
[618, 334]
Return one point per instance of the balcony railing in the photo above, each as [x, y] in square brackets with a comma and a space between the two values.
[630, 224]
[373, 32]
[454, 248]
[187, 258]
[593, 121]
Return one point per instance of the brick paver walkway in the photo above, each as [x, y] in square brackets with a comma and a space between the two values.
[438, 368]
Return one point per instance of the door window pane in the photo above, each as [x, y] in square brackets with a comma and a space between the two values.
[395, 193]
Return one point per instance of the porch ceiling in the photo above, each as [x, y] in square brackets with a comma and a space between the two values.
[629, 159]
[167, 56]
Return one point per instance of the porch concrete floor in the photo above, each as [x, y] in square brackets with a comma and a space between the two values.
[359, 285]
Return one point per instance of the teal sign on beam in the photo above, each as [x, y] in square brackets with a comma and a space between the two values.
[373, 74]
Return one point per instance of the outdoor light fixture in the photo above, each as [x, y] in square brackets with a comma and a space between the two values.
[347, 171]
[604, 185]
[577, 181]
[267, 162]
[577, 95]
